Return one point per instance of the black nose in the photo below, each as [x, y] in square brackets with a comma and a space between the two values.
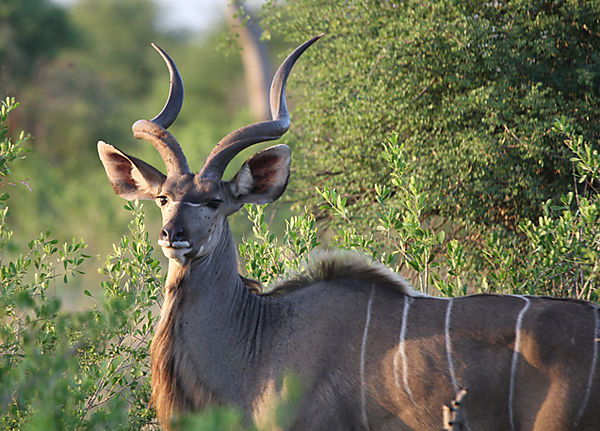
[172, 234]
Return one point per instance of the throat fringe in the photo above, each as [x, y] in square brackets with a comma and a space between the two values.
[175, 387]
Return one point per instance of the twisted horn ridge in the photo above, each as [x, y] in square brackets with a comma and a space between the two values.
[246, 136]
[155, 130]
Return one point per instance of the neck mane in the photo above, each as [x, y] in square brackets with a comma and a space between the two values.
[168, 391]
[330, 266]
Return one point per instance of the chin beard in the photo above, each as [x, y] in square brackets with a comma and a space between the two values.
[178, 254]
[176, 251]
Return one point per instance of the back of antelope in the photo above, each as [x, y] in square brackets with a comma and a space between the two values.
[370, 353]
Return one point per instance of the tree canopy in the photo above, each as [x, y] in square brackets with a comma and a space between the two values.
[472, 89]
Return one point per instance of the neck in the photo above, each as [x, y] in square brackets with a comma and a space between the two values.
[216, 273]
[210, 335]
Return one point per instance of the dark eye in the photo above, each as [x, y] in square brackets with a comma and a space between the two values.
[161, 201]
[214, 204]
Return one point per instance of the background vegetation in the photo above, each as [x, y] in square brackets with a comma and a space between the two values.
[457, 142]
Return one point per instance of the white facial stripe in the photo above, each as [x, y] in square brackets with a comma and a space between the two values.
[449, 346]
[515, 359]
[192, 204]
[363, 395]
[595, 341]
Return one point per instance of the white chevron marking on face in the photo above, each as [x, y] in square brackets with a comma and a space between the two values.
[192, 204]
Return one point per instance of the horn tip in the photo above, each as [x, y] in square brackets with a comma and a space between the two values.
[161, 51]
[314, 39]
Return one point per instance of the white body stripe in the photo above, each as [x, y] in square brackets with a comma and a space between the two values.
[449, 346]
[588, 389]
[515, 360]
[401, 352]
[363, 395]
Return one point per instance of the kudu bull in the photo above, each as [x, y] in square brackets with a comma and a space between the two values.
[370, 352]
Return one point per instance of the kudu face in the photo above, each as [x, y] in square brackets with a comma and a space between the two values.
[193, 213]
[195, 205]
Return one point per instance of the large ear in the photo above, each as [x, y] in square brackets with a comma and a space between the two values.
[129, 177]
[263, 177]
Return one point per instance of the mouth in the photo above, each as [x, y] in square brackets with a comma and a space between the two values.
[175, 250]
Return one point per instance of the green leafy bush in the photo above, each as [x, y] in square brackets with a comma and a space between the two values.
[560, 255]
[471, 88]
[400, 239]
[557, 255]
[66, 369]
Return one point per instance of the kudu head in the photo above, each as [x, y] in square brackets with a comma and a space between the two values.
[195, 205]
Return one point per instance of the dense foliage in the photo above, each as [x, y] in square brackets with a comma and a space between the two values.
[472, 89]
[559, 254]
[73, 370]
